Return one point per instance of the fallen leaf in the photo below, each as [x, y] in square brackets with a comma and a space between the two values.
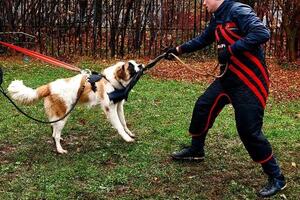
[283, 196]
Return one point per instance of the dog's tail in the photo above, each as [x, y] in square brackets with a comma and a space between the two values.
[26, 95]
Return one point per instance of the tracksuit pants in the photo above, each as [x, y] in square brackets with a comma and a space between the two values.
[249, 114]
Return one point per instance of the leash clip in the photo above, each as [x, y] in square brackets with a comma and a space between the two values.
[86, 71]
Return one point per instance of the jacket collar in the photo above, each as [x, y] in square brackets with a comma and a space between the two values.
[220, 11]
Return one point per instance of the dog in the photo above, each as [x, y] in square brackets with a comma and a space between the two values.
[60, 95]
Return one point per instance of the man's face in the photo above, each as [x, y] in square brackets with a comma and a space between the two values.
[212, 5]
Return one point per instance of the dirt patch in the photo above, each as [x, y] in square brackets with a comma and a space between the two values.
[5, 150]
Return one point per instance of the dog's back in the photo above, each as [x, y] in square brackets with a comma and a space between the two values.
[61, 87]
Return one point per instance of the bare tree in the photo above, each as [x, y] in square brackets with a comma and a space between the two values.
[291, 24]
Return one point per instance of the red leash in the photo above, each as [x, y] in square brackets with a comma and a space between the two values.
[42, 57]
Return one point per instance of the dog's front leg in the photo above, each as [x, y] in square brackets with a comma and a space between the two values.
[120, 109]
[113, 117]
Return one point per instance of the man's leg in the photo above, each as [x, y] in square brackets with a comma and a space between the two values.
[249, 120]
[206, 109]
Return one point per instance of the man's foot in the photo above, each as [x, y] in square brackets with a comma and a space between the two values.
[273, 186]
[188, 154]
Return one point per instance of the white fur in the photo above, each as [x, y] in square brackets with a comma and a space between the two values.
[66, 90]
[21, 93]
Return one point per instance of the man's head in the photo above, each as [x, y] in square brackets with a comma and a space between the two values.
[212, 5]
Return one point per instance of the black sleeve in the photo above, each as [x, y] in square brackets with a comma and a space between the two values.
[201, 41]
[256, 33]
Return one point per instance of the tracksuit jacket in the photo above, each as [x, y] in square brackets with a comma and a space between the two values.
[245, 84]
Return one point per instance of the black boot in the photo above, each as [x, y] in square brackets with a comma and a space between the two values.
[274, 185]
[189, 154]
[193, 153]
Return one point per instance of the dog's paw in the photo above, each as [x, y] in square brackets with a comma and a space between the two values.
[130, 133]
[61, 151]
[130, 140]
[127, 138]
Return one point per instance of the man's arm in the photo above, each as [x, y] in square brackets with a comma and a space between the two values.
[201, 41]
[255, 31]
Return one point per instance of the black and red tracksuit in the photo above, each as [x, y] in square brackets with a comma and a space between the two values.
[245, 84]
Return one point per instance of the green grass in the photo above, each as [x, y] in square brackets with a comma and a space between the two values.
[100, 165]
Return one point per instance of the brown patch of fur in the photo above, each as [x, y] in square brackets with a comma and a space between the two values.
[82, 83]
[88, 88]
[84, 97]
[43, 91]
[121, 73]
[55, 106]
[100, 88]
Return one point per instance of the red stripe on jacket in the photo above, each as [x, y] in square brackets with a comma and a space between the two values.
[251, 74]
[249, 84]
[252, 58]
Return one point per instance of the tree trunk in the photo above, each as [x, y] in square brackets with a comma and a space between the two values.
[290, 17]
[291, 44]
[126, 21]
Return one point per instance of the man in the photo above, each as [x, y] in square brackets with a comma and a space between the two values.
[239, 34]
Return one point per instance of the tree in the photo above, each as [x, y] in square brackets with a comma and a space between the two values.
[291, 25]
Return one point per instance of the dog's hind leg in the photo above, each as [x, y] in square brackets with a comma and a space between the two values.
[113, 117]
[57, 128]
[55, 109]
[120, 110]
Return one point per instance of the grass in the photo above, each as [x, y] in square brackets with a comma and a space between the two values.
[100, 165]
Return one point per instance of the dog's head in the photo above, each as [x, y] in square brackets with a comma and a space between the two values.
[126, 70]
[123, 72]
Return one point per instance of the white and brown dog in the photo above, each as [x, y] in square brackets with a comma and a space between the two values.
[60, 95]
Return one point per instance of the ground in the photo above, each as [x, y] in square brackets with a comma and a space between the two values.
[100, 165]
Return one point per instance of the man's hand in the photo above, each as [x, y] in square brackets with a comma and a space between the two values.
[223, 55]
[172, 50]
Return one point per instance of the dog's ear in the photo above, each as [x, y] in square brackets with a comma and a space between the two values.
[121, 74]
[131, 65]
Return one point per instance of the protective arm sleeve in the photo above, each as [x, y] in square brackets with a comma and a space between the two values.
[201, 41]
[256, 33]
